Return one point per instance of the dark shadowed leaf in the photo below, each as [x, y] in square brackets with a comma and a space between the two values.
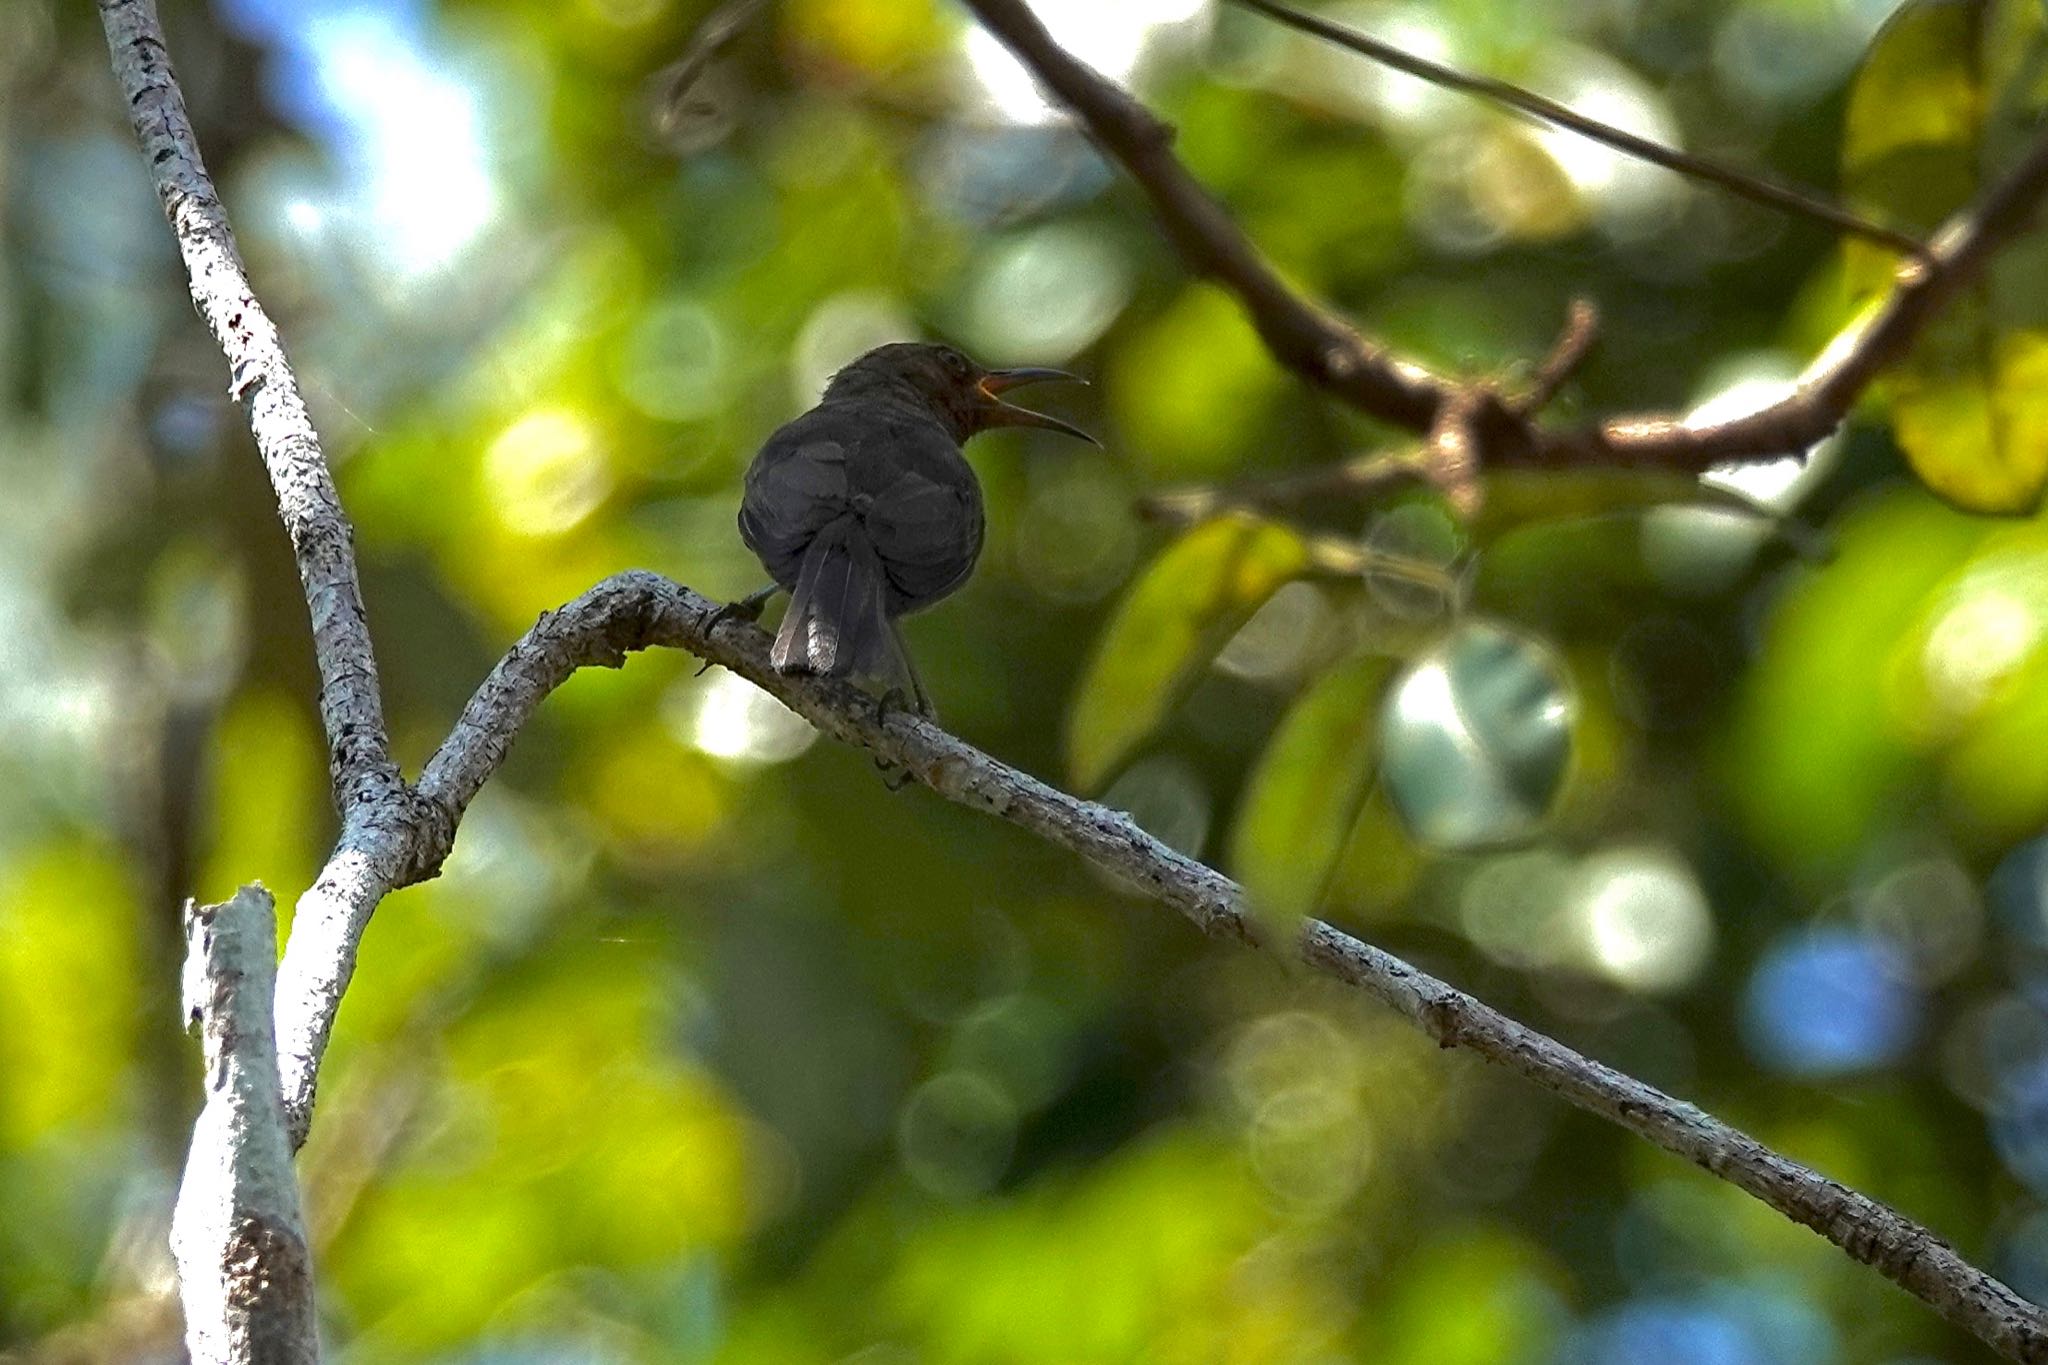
[1307, 789]
[1941, 107]
[1180, 612]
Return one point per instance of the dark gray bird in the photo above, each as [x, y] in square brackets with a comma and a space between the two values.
[864, 508]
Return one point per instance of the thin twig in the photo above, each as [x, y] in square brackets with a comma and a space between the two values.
[1319, 346]
[1746, 184]
[1574, 343]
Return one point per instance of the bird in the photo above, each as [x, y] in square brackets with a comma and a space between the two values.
[864, 509]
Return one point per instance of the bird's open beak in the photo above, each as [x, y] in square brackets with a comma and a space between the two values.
[997, 413]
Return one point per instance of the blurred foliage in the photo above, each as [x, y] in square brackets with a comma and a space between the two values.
[704, 1047]
[1944, 103]
[1190, 602]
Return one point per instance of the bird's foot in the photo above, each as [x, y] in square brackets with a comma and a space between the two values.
[747, 608]
[894, 775]
[896, 699]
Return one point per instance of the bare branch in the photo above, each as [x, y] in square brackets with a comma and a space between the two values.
[637, 610]
[1838, 376]
[1574, 343]
[375, 855]
[261, 378]
[1322, 348]
[244, 1271]
[1332, 355]
[392, 834]
[1745, 184]
[367, 790]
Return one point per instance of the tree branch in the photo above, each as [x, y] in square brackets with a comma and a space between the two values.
[393, 834]
[1787, 198]
[368, 792]
[636, 610]
[245, 1274]
[1332, 355]
[261, 379]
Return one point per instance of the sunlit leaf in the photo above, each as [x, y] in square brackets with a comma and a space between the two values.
[1934, 116]
[1305, 793]
[1181, 611]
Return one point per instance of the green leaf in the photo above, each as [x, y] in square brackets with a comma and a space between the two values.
[1944, 101]
[1307, 789]
[1183, 609]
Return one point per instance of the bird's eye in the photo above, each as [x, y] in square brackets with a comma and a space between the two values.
[956, 362]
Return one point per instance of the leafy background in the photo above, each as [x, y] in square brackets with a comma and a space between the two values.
[707, 1048]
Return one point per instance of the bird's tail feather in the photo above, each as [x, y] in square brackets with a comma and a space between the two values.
[836, 621]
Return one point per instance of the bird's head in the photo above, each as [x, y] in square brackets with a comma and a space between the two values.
[963, 395]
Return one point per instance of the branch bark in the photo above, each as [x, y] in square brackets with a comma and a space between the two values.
[368, 793]
[245, 1275]
[393, 833]
[1332, 355]
[637, 610]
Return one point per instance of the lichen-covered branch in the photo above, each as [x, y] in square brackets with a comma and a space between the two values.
[368, 793]
[261, 379]
[245, 1274]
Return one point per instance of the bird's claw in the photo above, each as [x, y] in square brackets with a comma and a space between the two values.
[744, 609]
[894, 775]
[896, 699]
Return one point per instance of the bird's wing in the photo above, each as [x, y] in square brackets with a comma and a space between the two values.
[925, 517]
[795, 488]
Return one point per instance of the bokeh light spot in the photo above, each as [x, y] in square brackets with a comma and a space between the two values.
[545, 473]
[731, 719]
[1167, 799]
[1976, 645]
[1475, 737]
[1045, 294]
[672, 363]
[1511, 905]
[1115, 39]
[1283, 637]
[1646, 922]
[1828, 1002]
[839, 329]
[1076, 538]
[955, 1134]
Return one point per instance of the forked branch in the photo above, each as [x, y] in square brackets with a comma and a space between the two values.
[393, 833]
[1331, 354]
